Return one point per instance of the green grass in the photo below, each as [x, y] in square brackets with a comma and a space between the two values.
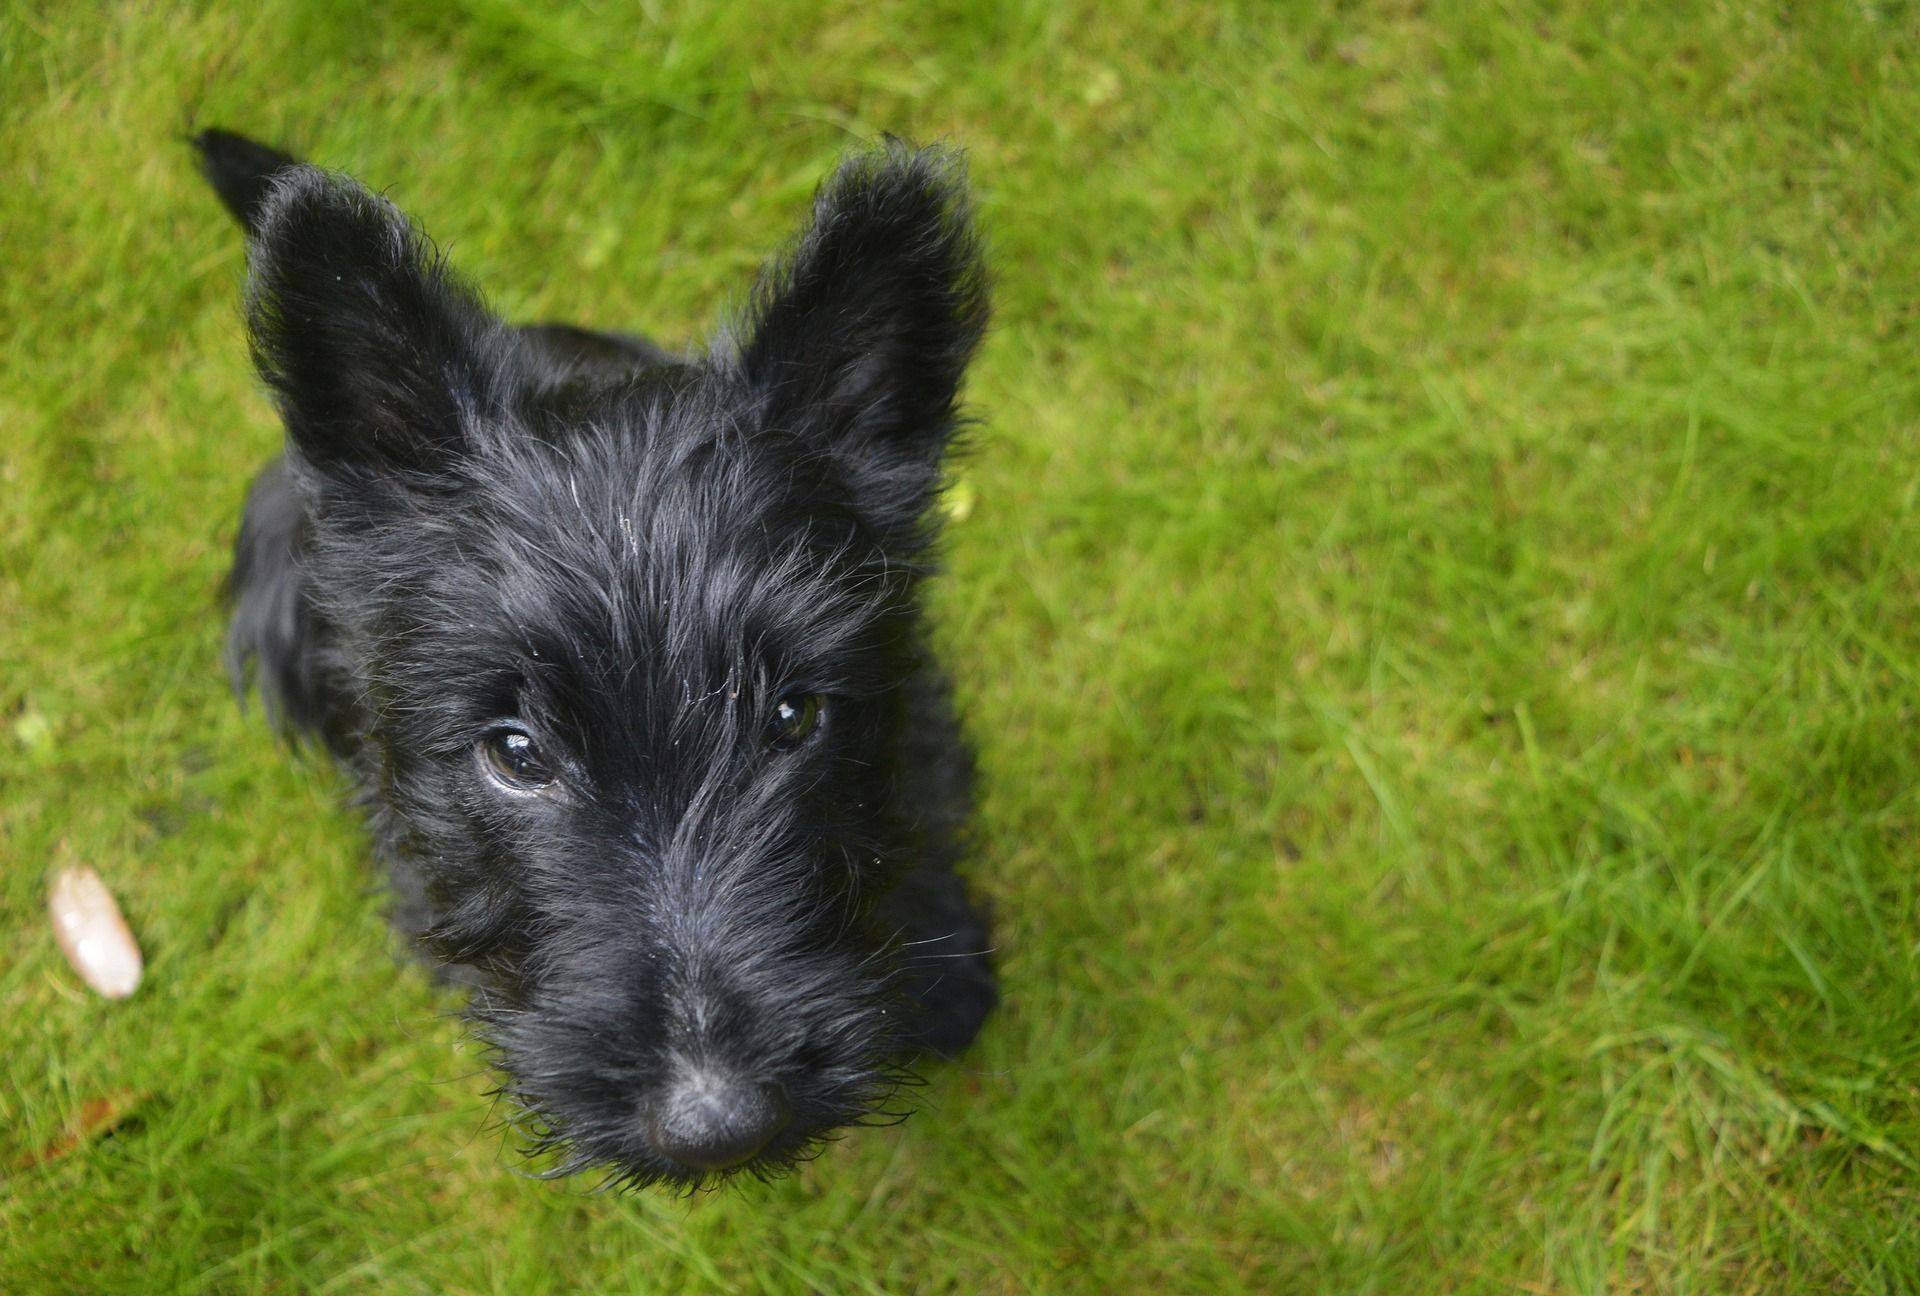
[1440, 613]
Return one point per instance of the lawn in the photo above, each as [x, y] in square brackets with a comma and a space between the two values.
[1436, 590]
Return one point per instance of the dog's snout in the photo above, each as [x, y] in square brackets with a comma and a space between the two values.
[714, 1122]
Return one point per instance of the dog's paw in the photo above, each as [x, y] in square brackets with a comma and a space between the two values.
[952, 986]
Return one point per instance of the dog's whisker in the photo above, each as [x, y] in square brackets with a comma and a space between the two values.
[930, 940]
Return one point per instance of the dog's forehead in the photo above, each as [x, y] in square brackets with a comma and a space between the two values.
[651, 537]
[686, 442]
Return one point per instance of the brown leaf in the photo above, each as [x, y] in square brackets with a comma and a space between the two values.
[96, 1117]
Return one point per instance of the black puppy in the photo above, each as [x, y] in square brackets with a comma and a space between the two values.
[623, 652]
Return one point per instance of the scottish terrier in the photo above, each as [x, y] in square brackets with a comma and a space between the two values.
[622, 651]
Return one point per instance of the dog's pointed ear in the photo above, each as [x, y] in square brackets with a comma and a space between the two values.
[377, 355]
[858, 338]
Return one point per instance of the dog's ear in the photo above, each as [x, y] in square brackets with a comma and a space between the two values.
[376, 354]
[858, 338]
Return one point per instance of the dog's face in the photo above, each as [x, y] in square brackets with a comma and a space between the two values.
[630, 654]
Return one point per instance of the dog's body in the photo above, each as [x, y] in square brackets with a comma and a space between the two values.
[623, 653]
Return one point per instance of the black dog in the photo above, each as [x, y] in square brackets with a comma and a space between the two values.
[622, 650]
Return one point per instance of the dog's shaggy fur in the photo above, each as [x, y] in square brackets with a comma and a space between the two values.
[622, 651]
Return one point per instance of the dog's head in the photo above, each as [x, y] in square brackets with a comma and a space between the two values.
[629, 653]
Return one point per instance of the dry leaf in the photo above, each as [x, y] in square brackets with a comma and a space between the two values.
[96, 1117]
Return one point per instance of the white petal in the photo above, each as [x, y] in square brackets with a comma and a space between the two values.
[92, 934]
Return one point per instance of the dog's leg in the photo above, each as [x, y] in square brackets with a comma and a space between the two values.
[276, 637]
[945, 935]
[413, 914]
[944, 960]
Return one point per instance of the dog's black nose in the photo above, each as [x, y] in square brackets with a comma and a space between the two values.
[710, 1122]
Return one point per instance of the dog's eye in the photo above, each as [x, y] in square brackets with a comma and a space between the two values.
[515, 762]
[795, 717]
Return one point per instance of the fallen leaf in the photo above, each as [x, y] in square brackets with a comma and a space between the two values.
[96, 1117]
